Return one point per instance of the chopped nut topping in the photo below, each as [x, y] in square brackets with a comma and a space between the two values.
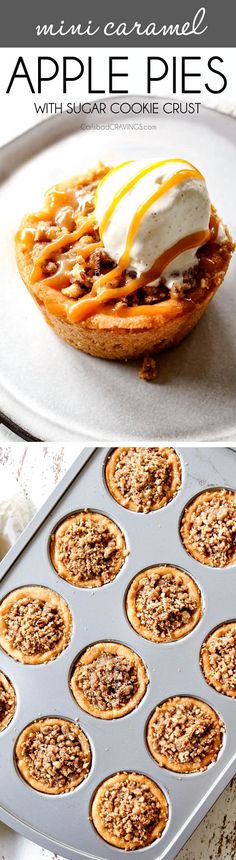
[148, 370]
[184, 734]
[78, 274]
[88, 547]
[218, 657]
[46, 232]
[53, 755]
[34, 626]
[74, 291]
[7, 701]
[108, 682]
[165, 602]
[179, 290]
[145, 478]
[50, 268]
[209, 528]
[130, 811]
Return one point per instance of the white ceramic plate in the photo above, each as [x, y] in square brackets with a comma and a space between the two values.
[56, 393]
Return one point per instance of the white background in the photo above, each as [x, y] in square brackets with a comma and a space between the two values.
[17, 108]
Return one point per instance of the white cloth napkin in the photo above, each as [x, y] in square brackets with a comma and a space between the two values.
[16, 509]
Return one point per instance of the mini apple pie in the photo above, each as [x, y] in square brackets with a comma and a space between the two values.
[109, 680]
[129, 811]
[143, 479]
[218, 659]
[185, 734]
[7, 701]
[124, 261]
[208, 527]
[53, 755]
[35, 624]
[88, 549]
[164, 603]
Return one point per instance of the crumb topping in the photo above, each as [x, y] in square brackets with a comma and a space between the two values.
[130, 811]
[149, 370]
[144, 476]
[184, 732]
[221, 652]
[108, 682]
[34, 626]
[212, 527]
[89, 548]
[164, 603]
[54, 755]
[7, 701]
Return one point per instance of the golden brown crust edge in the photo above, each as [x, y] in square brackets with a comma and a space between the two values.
[8, 686]
[190, 508]
[97, 803]
[22, 766]
[37, 592]
[63, 571]
[131, 604]
[171, 457]
[111, 648]
[197, 766]
[205, 662]
[104, 336]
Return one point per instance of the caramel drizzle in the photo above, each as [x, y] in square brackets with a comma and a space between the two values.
[62, 276]
[62, 242]
[86, 307]
[113, 170]
[101, 293]
[55, 199]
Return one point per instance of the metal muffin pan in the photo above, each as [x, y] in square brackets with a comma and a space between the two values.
[61, 823]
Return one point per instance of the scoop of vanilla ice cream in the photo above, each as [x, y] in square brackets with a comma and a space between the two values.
[182, 210]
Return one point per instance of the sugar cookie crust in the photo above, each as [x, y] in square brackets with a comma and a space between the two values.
[88, 549]
[143, 479]
[164, 603]
[109, 680]
[35, 624]
[129, 811]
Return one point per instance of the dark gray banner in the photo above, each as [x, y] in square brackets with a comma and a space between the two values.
[70, 23]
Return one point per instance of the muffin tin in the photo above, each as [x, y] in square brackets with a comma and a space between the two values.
[62, 823]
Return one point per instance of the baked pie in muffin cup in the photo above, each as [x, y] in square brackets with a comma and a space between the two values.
[109, 680]
[7, 701]
[185, 734]
[218, 659]
[87, 549]
[35, 624]
[208, 527]
[53, 755]
[129, 811]
[164, 603]
[143, 479]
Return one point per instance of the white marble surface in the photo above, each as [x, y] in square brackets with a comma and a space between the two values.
[37, 468]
